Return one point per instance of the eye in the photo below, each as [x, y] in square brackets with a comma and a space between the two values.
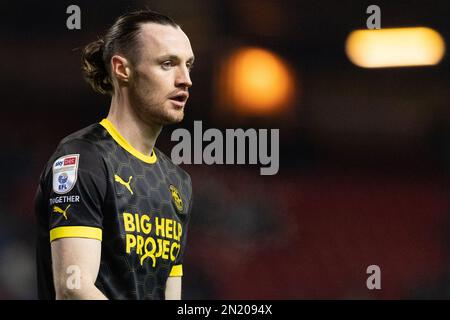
[166, 65]
[190, 66]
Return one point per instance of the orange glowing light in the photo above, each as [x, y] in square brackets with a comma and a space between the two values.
[395, 47]
[256, 81]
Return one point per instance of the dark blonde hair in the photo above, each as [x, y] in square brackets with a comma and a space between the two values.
[120, 38]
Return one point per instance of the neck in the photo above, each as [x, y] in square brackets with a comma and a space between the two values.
[139, 134]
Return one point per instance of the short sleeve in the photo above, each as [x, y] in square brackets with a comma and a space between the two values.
[76, 187]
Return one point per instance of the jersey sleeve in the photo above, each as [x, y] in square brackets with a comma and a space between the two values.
[76, 187]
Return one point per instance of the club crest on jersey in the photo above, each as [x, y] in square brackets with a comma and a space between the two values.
[176, 197]
[65, 171]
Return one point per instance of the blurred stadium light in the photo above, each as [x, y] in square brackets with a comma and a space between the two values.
[255, 81]
[395, 47]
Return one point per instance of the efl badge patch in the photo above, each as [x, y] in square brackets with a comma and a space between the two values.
[65, 171]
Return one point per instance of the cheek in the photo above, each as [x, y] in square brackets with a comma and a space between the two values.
[155, 84]
[145, 87]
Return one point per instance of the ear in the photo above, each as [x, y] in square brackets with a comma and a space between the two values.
[120, 68]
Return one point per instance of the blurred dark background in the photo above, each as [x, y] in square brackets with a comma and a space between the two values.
[364, 153]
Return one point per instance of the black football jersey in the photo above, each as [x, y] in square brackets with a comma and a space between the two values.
[96, 185]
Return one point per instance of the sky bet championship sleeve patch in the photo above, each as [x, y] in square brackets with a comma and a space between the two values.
[65, 172]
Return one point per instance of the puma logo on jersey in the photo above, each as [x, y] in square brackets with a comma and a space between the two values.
[125, 184]
[61, 211]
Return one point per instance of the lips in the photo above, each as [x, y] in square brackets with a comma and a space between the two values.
[181, 96]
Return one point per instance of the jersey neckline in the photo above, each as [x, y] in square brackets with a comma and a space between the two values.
[125, 144]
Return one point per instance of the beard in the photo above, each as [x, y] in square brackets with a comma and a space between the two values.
[155, 110]
[158, 113]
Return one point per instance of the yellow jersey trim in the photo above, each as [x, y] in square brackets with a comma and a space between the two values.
[75, 232]
[125, 144]
[177, 271]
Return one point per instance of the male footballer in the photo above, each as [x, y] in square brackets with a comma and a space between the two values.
[112, 209]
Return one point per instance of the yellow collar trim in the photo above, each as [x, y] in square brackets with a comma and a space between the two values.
[124, 143]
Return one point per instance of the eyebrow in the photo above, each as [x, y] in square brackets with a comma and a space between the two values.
[176, 58]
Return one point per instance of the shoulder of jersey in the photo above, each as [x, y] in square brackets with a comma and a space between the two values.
[91, 133]
[81, 140]
[170, 165]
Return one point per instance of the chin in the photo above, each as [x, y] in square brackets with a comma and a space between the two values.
[172, 118]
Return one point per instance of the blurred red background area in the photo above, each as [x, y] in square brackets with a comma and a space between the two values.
[321, 231]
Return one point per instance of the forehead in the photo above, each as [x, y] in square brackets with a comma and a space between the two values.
[160, 40]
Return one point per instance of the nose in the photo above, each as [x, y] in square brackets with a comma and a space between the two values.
[183, 78]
